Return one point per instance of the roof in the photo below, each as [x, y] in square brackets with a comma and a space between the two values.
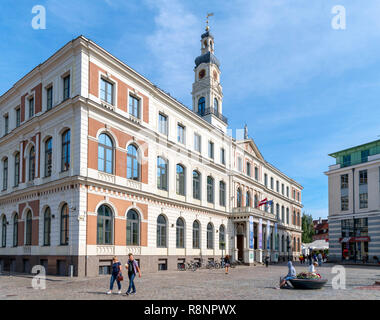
[355, 148]
[207, 58]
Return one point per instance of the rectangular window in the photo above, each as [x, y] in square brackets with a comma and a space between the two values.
[163, 124]
[282, 189]
[240, 164]
[66, 87]
[265, 180]
[197, 142]
[344, 181]
[106, 91]
[222, 194]
[287, 192]
[5, 174]
[134, 106]
[277, 186]
[346, 160]
[6, 124]
[249, 169]
[271, 183]
[294, 194]
[31, 107]
[18, 117]
[49, 98]
[256, 173]
[344, 203]
[363, 200]
[222, 156]
[211, 149]
[363, 179]
[181, 133]
[364, 155]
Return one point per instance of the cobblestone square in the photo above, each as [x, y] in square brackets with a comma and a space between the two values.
[241, 283]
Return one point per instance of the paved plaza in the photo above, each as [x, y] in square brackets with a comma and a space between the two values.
[243, 282]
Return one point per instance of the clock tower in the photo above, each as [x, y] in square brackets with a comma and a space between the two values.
[207, 91]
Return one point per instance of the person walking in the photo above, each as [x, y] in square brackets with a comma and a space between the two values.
[227, 263]
[133, 268]
[115, 275]
[319, 259]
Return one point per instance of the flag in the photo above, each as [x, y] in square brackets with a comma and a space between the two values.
[262, 202]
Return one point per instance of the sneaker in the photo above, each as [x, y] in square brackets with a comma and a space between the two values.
[133, 292]
[109, 292]
[127, 293]
[119, 292]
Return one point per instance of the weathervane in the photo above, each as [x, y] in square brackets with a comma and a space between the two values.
[208, 16]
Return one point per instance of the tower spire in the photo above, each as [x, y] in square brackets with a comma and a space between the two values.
[208, 16]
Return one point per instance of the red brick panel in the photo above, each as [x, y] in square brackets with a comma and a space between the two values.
[35, 232]
[120, 163]
[144, 234]
[91, 230]
[37, 98]
[35, 205]
[20, 233]
[92, 154]
[120, 232]
[23, 107]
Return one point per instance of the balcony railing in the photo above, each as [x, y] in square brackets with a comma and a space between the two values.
[215, 113]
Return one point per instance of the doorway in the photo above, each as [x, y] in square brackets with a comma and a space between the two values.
[240, 246]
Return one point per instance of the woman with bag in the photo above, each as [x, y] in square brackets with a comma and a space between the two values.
[115, 275]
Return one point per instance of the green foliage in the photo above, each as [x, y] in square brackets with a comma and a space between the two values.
[307, 228]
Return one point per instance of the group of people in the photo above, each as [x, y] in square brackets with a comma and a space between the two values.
[311, 258]
[132, 268]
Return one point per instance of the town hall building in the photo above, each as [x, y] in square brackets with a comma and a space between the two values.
[97, 161]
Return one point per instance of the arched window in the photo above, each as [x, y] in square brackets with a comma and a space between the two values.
[210, 236]
[294, 244]
[298, 245]
[47, 226]
[196, 185]
[180, 233]
[201, 106]
[180, 180]
[161, 232]
[278, 211]
[222, 238]
[282, 243]
[272, 208]
[28, 228]
[4, 231]
[238, 198]
[256, 201]
[17, 170]
[105, 154]
[104, 225]
[248, 199]
[32, 164]
[216, 105]
[283, 214]
[48, 157]
[15, 230]
[65, 152]
[133, 228]
[222, 193]
[298, 219]
[287, 215]
[64, 232]
[162, 174]
[133, 163]
[196, 235]
[210, 189]
[5, 174]
[288, 244]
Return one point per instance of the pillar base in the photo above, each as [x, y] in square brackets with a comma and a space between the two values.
[249, 256]
[259, 255]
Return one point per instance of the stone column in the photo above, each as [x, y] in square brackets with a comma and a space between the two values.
[248, 252]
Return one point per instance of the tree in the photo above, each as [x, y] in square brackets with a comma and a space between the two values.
[307, 228]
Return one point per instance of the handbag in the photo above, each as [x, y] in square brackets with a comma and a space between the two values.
[119, 277]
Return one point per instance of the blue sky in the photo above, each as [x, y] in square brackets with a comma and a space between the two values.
[303, 88]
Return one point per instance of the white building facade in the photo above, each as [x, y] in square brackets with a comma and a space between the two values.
[354, 204]
[97, 161]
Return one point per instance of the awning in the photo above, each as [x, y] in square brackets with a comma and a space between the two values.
[354, 239]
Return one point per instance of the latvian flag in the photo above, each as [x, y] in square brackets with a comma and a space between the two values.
[266, 202]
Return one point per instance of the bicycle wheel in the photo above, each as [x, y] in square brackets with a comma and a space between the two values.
[217, 265]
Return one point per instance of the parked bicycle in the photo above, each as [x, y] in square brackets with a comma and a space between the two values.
[213, 265]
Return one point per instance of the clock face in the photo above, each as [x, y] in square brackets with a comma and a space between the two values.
[202, 73]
